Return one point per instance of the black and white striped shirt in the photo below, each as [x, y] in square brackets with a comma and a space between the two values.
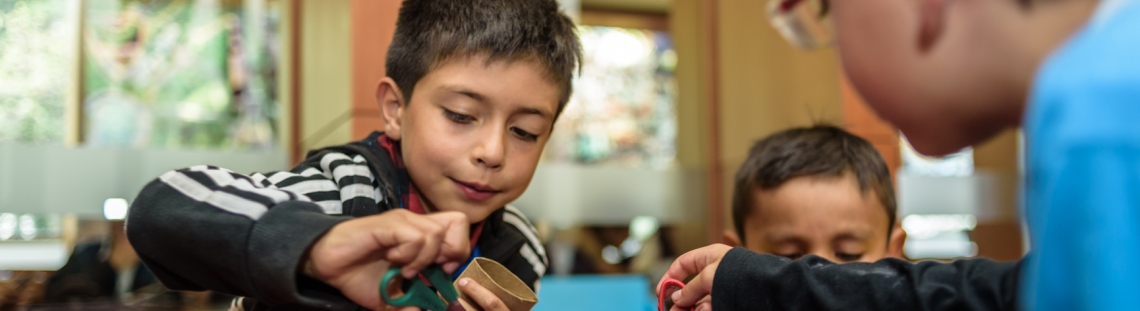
[208, 228]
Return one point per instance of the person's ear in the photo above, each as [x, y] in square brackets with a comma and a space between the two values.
[392, 106]
[731, 239]
[896, 242]
[932, 19]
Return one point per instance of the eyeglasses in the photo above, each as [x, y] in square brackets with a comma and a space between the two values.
[802, 22]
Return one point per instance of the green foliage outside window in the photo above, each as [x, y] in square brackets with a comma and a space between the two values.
[34, 67]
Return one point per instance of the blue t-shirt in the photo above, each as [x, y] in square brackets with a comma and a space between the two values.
[1083, 169]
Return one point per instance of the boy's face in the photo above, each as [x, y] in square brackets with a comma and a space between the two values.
[824, 216]
[473, 132]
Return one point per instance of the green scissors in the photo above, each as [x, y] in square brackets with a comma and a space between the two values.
[424, 296]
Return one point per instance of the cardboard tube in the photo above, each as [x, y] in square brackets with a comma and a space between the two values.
[515, 294]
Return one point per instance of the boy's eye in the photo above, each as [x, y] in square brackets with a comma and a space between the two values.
[458, 117]
[848, 257]
[524, 134]
[792, 256]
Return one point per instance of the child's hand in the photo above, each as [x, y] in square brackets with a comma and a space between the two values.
[355, 254]
[702, 263]
[480, 295]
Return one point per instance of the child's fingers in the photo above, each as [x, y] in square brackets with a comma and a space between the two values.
[485, 298]
[432, 237]
[705, 304]
[693, 262]
[450, 267]
[456, 246]
[697, 289]
[405, 245]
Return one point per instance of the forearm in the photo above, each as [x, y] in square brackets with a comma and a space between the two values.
[207, 235]
[747, 280]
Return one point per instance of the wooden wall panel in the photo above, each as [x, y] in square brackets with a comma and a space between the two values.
[373, 24]
[859, 119]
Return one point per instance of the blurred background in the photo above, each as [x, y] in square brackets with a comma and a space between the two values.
[97, 97]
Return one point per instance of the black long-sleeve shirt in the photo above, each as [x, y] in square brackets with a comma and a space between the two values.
[746, 280]
[208, 228]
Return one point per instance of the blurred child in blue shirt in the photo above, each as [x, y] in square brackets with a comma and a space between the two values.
[951, 74]
[1082, 127]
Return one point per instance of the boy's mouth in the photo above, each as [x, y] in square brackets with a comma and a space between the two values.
[475, 191]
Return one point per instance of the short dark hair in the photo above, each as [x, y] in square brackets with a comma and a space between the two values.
[820, 150]
[429, 32]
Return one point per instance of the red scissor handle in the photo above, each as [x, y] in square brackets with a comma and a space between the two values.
[666, 292]
[787, 5]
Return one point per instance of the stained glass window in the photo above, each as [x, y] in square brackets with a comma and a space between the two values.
[181, 74]
[622, 109]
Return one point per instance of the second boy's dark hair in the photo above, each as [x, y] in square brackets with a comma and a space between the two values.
[430, 32]
[821, 150]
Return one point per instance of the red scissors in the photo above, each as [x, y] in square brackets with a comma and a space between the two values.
[665, 294]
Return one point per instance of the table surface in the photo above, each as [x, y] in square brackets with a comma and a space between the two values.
[596, 292]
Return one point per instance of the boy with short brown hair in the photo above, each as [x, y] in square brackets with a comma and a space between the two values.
[472, 93]
[816, 191]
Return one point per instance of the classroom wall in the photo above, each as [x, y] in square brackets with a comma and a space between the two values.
[286, 77]
[341, 47]
[692, 111]
[686, 20]
[325, 73]
[765, 85]
[373, 24]
[999, 236]
[859, 119]
[738, 81]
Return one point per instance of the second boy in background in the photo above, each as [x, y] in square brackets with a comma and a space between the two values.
[816, 191]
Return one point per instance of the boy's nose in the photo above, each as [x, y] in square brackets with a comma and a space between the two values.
[489, 150]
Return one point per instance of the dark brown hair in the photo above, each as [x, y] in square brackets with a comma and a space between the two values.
[429, 32]
[821, 150]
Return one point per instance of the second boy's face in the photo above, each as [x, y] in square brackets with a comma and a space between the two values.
[473, 133]
[823, 216]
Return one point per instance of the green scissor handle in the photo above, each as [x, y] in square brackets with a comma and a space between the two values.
[420, 295]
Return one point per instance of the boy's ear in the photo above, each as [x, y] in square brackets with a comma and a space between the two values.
[731, 238]
[896, 242]
[932, 14]
[392, 105]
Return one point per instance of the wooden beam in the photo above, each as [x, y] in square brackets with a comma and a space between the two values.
[711, 68]
[73, 105]
[294, 89]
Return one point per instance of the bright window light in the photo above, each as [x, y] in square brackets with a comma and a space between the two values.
[926, 226]
[8, 225]
[115, 209]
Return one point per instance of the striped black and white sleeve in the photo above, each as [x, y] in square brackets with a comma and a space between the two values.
[334, 181]
[208, 228]
[532, 251]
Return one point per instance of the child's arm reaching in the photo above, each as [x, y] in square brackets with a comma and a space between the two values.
[209, 228]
